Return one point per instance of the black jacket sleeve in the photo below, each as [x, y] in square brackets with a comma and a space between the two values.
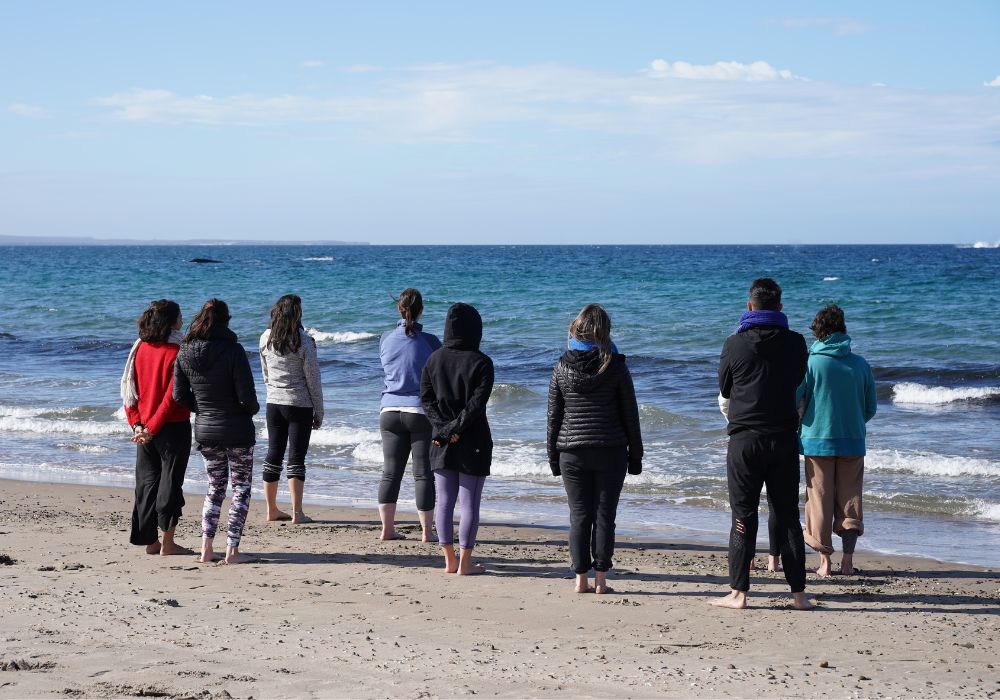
[428, 399]
[726, 372]
[557, 409]
[246, 392]
[182, 388]
[629, 408]
[476, 405]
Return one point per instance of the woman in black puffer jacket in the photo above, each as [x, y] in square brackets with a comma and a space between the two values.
[593, 439]
[212, 377]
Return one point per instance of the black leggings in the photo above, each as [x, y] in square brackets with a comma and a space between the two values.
[159, 482]
[752, 461]
[403, 433]
[593, 478]
[291, 427]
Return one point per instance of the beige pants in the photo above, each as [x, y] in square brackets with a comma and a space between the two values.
[833, 497]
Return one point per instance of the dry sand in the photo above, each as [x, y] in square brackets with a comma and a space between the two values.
[332, 612]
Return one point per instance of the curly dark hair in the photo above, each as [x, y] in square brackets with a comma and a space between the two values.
[765, 294]
[214, 314]
[829, 320]
[158, 320]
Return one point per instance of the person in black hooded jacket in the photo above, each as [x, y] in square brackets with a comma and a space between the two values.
[760, 369]
[593, 438]
[212, 377]
[455, 385]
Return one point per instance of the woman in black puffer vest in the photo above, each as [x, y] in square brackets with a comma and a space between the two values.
[212, 377]
[593, 439]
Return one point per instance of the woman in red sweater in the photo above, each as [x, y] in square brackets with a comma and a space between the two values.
[161, 429]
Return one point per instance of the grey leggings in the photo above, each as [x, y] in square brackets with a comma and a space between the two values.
[451, 487]
[404, 434]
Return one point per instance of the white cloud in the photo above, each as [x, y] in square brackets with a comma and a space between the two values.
[723, 70]
[739, 112]
[840, 26]
[26, 110]
[312, 63]
[993, 83]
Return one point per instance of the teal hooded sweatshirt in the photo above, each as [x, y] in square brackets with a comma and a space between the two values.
[836, 398]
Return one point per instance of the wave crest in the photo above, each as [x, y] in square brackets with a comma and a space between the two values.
[322, 337]
[921, 394]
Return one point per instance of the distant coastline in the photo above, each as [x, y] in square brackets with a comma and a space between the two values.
[91, 241]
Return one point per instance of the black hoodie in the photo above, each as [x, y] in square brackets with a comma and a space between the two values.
[759, 372]
[591, 409]
[213, 379]
[455, 385]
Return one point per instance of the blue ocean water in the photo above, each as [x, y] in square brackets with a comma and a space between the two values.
[922, 316]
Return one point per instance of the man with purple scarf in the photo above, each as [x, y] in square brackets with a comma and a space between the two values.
[761, 367]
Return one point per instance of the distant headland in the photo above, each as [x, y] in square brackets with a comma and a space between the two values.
[90, 241]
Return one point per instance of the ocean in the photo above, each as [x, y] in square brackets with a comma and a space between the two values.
[921, 315]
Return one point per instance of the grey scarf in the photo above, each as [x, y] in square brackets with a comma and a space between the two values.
[128, 388]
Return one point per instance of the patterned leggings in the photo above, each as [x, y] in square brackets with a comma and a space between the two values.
[225, 464]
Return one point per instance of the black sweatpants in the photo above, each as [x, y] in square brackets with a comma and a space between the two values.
[404, 434]
[753, 460]
[288, 427]
[160, 466]
[593, 478]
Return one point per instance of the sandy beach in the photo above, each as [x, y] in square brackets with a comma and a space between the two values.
[331, 612]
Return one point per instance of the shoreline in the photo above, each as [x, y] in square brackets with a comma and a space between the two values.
[691, 536]
[331, 611]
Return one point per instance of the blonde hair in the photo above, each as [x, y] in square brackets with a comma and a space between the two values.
[593, 324]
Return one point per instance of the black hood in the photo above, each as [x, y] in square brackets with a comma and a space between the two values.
[205, 353]
[463, 328]
[581, 368]
[763, 339]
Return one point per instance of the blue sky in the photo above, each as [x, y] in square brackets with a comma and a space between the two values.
[517, 122]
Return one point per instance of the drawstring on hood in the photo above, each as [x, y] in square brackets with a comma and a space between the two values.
[463, 328]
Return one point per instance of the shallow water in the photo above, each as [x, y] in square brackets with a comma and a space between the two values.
[921, 315]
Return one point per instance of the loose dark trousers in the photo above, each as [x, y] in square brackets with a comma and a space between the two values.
[160, 466]
[593, 478]
[753, 460]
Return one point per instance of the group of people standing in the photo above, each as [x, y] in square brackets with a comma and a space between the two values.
[777, 397]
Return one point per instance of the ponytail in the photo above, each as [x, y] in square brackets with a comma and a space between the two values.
[410, 305]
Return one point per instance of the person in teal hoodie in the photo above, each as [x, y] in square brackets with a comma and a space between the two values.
[836, 401]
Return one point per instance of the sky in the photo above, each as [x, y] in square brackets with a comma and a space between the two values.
[513, 122]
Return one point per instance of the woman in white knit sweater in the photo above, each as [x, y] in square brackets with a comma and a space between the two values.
[294, 402]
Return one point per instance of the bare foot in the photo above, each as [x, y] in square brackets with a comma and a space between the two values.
[825, 567]
[584, 589]
[802, 602]
[472, 570]
[386, 537]
[773, 563]
[603, 590]
[736, 600]
[753, 565]
[278, 516]
[153, 548]
[173, 549]
[847, 565]
[209, 558]
[428, 537]
[300, 518]
[239, 558]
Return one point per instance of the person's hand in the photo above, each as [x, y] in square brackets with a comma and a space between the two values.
[453, 439]
[317, 422]
[141, 436]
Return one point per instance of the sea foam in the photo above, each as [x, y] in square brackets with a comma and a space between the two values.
[14, 424]
[929, 464]
[921, 394]
[339, 336]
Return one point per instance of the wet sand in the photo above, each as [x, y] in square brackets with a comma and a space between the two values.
[332, 612]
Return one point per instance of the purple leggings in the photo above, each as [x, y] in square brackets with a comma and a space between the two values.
[449, 485]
